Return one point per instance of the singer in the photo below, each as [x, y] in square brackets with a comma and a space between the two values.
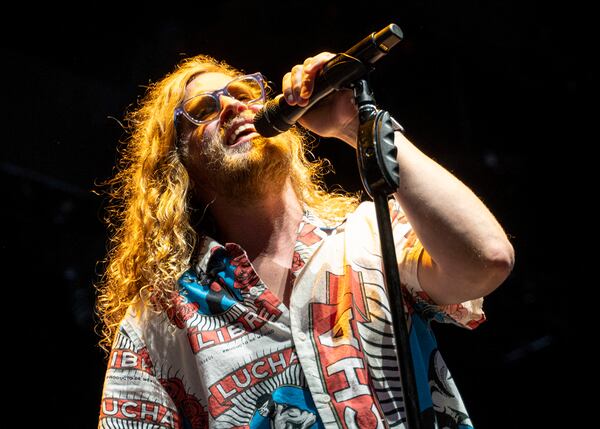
[239, 292]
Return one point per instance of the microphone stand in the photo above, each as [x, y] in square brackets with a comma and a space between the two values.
[376, 155]
[379, 171]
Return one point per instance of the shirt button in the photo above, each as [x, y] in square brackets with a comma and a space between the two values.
[325, 398]
[302, 336]
[253, 291]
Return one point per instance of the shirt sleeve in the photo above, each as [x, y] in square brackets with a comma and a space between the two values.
[409, 249]
[132, 396]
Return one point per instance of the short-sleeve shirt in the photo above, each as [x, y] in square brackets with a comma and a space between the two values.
[230, 354]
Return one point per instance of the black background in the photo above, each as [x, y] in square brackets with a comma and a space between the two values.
[484, 88]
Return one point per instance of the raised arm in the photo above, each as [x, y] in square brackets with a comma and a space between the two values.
[467, 254]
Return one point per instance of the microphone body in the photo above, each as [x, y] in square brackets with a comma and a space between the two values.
[277, 116]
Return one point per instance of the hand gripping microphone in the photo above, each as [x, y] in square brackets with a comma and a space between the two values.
[277, 116]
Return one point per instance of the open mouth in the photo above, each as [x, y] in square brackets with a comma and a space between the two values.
[242, 134]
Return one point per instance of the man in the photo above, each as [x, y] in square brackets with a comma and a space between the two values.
[238, 293]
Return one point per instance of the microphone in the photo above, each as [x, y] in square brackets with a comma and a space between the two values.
[277, 116]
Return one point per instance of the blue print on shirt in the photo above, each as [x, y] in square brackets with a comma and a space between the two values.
[433, 378]
[214, 292]
[286, 406]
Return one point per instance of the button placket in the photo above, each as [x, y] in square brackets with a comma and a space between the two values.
[324, 398]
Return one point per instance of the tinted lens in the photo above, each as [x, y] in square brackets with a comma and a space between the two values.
[206, 107]
[202, 108]
[245, 89]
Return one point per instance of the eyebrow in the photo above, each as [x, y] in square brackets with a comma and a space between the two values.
[209, 91]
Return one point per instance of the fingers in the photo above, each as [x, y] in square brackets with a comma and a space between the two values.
[298, 84]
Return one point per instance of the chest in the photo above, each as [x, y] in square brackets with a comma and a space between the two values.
[277, 277]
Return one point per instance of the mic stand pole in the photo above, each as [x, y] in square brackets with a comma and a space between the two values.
[379, 172]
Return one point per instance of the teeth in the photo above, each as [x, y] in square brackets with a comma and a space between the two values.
[238, 131]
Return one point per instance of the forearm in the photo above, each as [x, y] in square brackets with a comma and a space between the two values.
[467, 252]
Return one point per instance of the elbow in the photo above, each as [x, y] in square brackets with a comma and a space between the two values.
[501, 257]
[497, 262]
[477, 276]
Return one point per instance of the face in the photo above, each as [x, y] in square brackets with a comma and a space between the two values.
[227, 156]
[234, 120]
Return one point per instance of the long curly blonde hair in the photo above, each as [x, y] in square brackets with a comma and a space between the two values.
[151, 238]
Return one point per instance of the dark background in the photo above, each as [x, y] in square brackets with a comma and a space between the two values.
[485, 88]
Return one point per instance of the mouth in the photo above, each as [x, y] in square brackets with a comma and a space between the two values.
[240, 133]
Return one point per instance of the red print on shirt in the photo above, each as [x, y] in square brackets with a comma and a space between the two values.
[187, 404]
[181, 311]
[230, 387]
[337, 339]
[307, 235]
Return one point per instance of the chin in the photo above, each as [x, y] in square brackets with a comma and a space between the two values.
[241, 147]
[249, 170]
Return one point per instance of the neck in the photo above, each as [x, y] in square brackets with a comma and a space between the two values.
[264, 227]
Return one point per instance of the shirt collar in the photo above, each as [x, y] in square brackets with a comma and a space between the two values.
[310, 222]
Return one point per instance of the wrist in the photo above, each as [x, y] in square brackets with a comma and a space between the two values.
[349, 132]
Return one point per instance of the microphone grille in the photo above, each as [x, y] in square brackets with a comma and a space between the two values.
[268, 122]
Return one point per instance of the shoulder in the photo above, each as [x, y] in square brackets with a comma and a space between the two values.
[143, 321]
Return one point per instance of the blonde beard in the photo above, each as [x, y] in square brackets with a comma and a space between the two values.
[248, 172]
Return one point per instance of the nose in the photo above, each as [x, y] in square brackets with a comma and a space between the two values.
[230, 107]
